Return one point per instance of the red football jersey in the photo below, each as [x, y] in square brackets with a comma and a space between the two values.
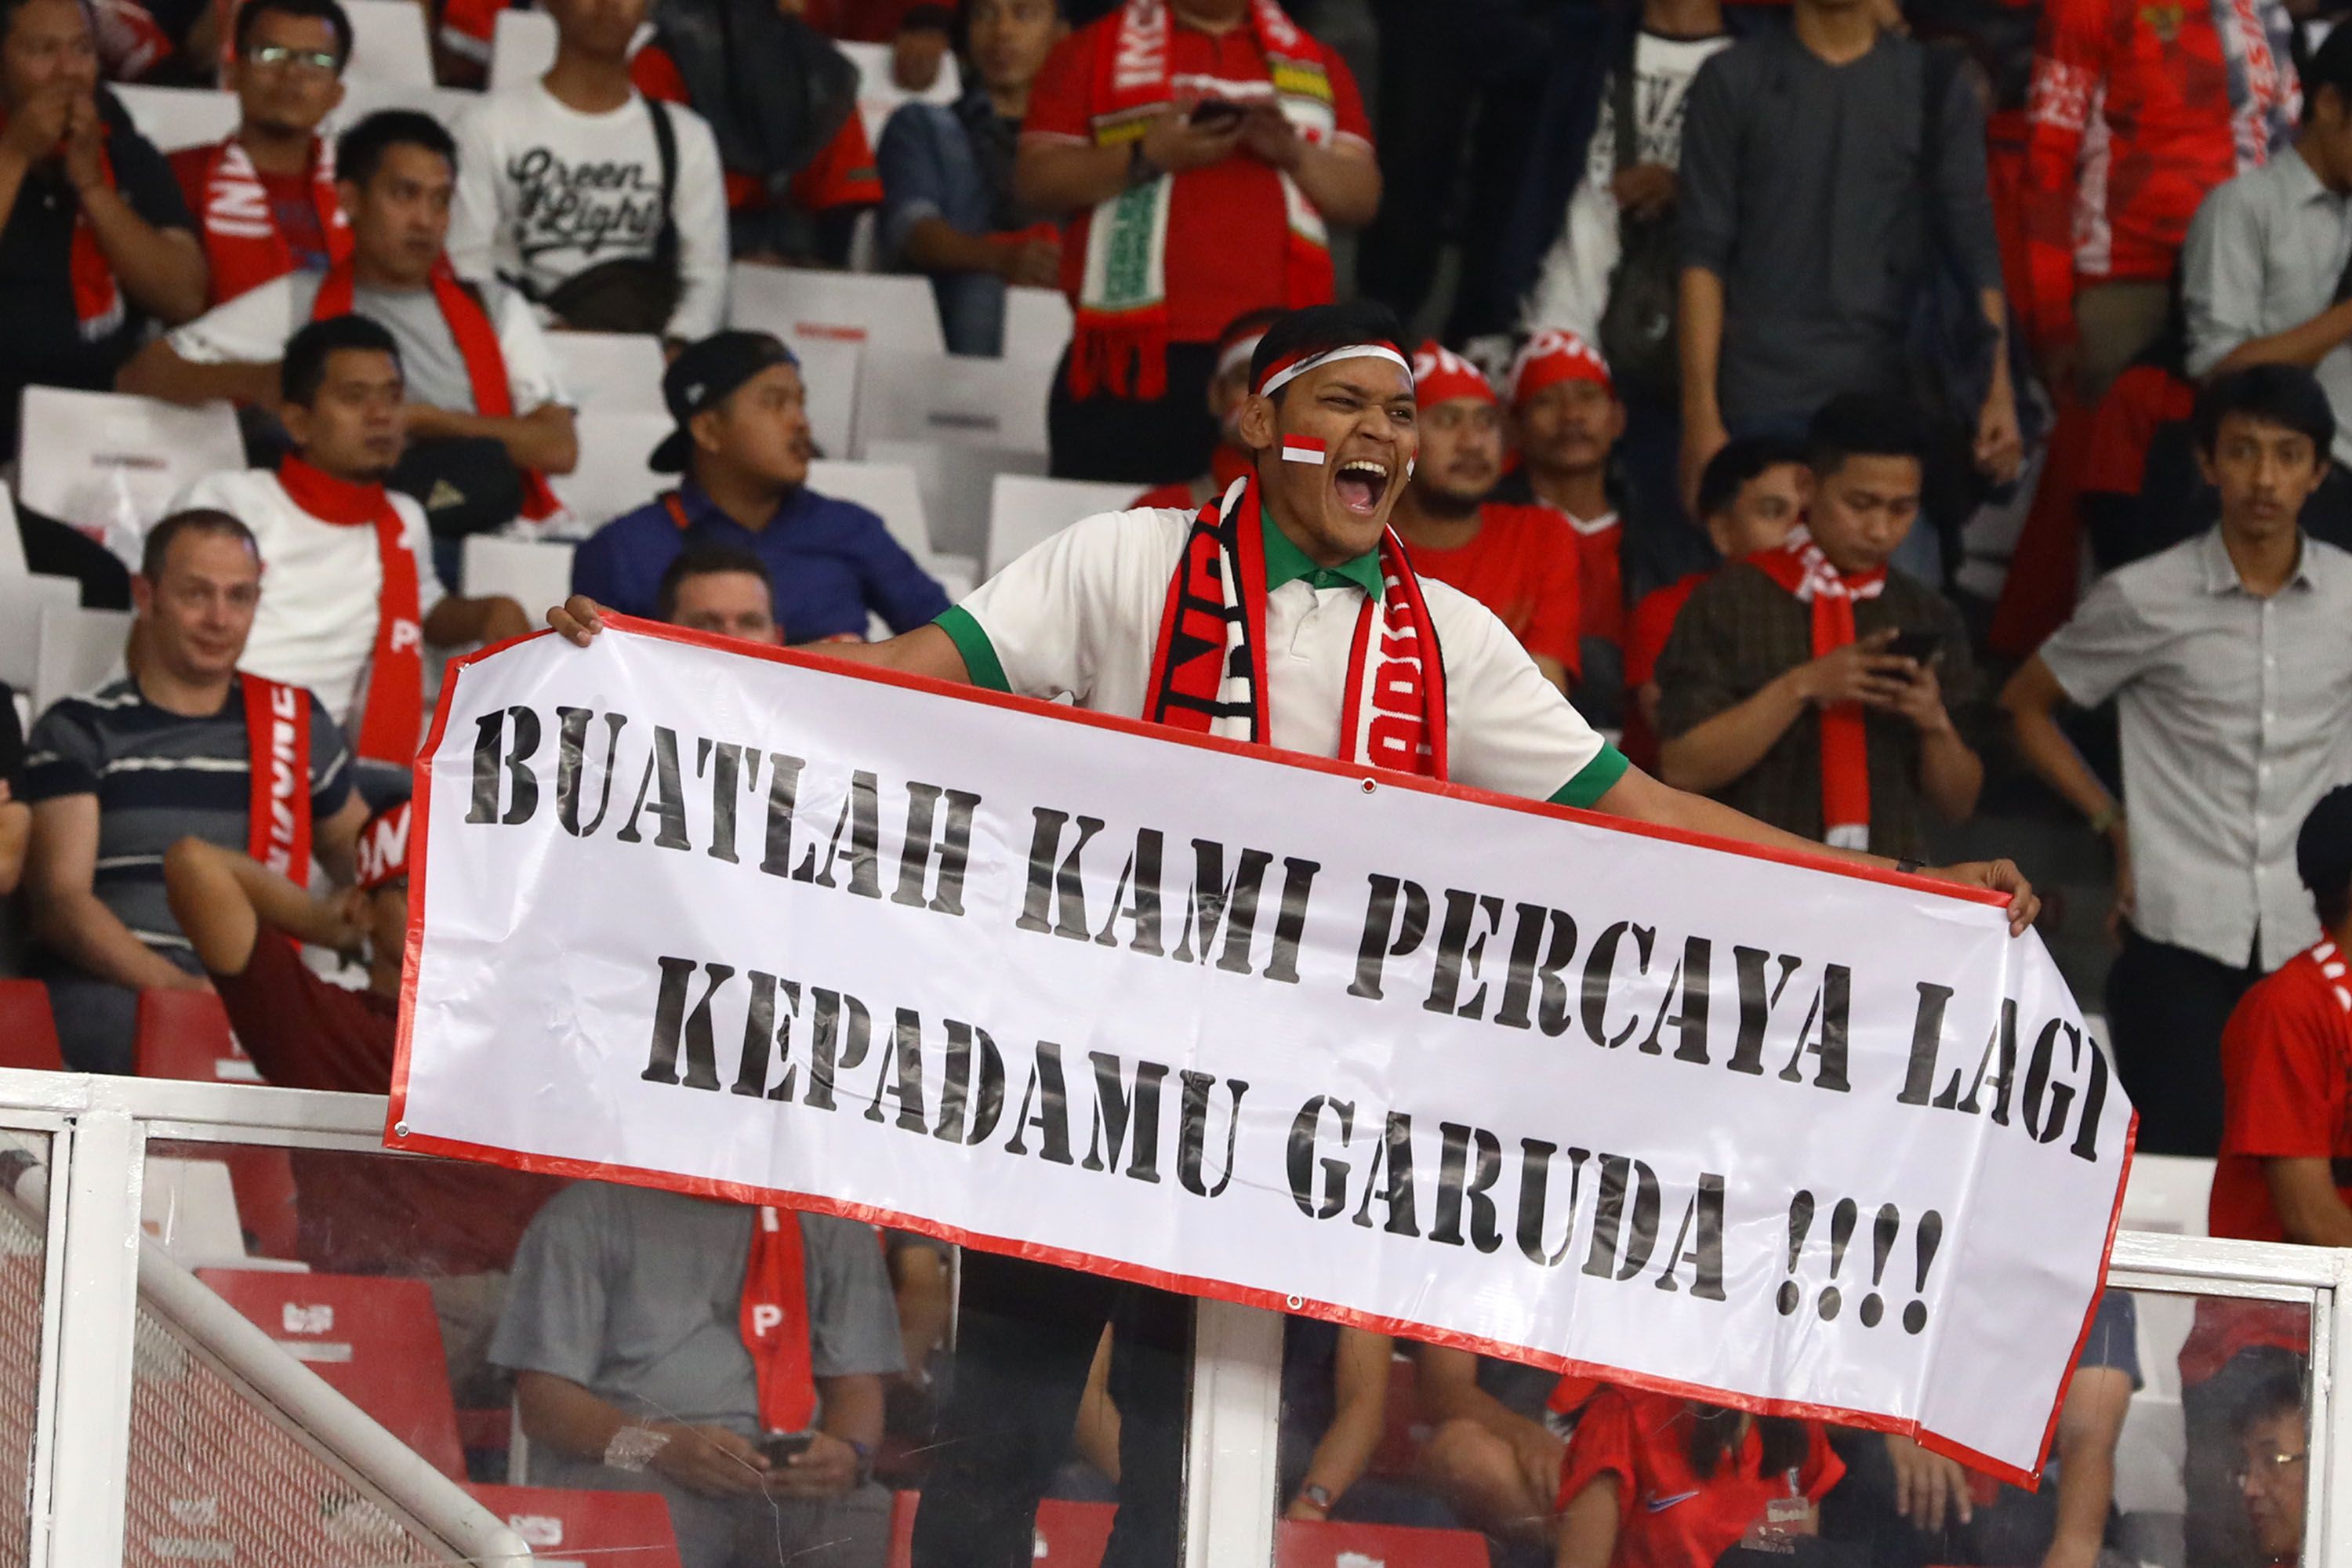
[1526, 564]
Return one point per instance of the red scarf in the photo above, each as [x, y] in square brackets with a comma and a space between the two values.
[476, 337]
[1120, 342]
[98, 300]
[1208, 670]
[1800, 568]
[241, 238]
[395, 692]
[277, 752]
[774, 1322]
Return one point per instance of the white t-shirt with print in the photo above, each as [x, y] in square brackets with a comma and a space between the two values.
[545, 191]
[1572, 290]
[322, 587]
[1079, 616]
[253, 328]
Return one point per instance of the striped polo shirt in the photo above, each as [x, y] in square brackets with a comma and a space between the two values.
[160, 777]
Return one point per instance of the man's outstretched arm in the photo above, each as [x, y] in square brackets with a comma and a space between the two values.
[1640, 798]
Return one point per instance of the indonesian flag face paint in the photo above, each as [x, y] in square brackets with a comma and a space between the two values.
[1304, 449]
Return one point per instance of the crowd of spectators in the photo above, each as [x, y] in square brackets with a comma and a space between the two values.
[1740, 319]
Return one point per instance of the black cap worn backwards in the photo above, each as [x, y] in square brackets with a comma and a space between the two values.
[702, 377]
[2323, 848]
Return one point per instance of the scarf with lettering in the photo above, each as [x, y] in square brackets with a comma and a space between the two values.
[1800, 569]
[774, 1322]
[1208, 670]
[476, 337]
[241, 238]
[396, 689]
[1121, 341]
[278, 753]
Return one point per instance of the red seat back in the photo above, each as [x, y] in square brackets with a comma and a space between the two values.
[1069, 1534]
[377, 1340]
[589, 1529]
[28, 1032]
[1301, 1543]
[185, 1034]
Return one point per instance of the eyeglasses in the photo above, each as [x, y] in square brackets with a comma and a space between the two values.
[320, 61]
[2266, 1468]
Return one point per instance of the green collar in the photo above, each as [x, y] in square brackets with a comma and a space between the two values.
[1285, 562]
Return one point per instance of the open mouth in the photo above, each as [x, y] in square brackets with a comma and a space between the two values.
[1360, 484]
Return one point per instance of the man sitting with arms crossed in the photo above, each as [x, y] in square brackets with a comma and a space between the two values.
[717, 589]
[454, 1225]
[727, 1357]
[1307, 556]
[185, 746]
[265, 199]
[479, 367]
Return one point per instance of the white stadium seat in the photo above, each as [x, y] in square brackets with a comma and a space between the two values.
[532, 573]
[79, 649]
[956, 482]
[522, 46]
[177, 117]
[888, 312]
[878, 95]
[25, 603]
[1024, 512]
[362, 96]
[612, 477]
[388, 42]
[831, 370]
[888, 488]
[951, 400]
[111, 463]
[1037, 323]
[617, 371]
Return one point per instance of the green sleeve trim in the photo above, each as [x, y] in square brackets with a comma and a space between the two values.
[1597, 778]
[979, 660]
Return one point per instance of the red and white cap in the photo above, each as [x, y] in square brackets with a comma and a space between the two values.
[382, 854]
[1441, 375]
[1553, 356]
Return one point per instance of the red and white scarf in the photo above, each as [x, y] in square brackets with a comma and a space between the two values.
[774, 1322]
[1208, 670]
[1800, 568]
[97, 297]
[278, 757]
[395, 693]
[1121, 341]
[476, 337]
[242, 241]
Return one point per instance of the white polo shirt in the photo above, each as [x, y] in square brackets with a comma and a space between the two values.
[322, 586]
[1079, 616]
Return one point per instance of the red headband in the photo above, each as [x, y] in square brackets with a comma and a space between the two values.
[1440, 375]
[1554, 356]
[381, 853]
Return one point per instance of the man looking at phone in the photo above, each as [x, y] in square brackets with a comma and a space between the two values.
[1813, 686]
[2232, 676]
[727, 1357]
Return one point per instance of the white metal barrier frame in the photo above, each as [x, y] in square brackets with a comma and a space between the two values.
[100, 1128]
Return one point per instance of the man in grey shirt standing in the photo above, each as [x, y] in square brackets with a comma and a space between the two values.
[631, 1329]
[2266, 270]
[2233, 674]
[1812, 220]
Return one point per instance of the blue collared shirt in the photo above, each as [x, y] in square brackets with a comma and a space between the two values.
[833, 563]
[931, 168]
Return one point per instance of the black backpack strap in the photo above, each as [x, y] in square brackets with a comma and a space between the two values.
[665, 147]
[1623, 101]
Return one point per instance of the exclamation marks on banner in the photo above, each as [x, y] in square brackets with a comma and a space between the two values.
[1886, 1229]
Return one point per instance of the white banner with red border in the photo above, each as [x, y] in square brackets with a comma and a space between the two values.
[1771, 1131]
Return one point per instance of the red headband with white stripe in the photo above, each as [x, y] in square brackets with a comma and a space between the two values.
[1282, 373]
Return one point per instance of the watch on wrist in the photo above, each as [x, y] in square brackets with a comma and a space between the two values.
[864, 1452]
[1140, 169]
[1908, 867]
[633, 1447]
